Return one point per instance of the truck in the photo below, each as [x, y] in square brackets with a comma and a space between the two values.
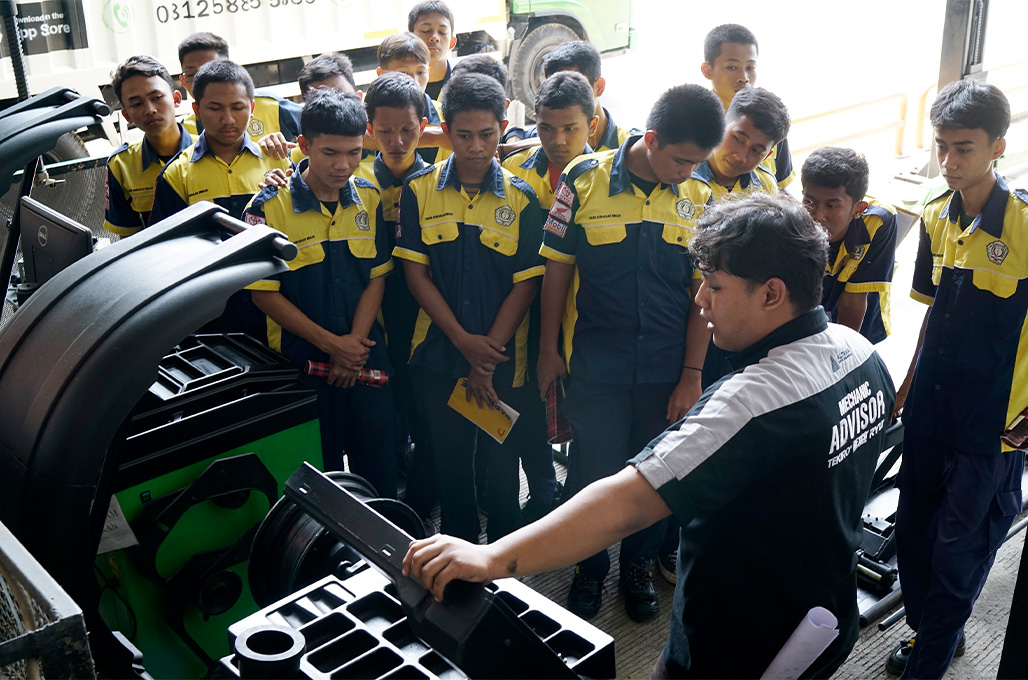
[77, 43]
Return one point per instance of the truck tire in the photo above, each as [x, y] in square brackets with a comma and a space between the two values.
[69, 147]
[526, 64]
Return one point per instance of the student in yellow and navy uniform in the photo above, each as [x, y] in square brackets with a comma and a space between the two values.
[148, 100]
[862, 236]
[582, 57]
[960, 487]
[271, 113]
[432, 22]
[469, 235]
[565, 116]
[617, 237]
[730, 64]
[755, 122]
[396, 119]
[406, 53]
[324, 308]
[224, 166]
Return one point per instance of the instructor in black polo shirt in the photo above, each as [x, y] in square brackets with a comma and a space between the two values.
[771, 466]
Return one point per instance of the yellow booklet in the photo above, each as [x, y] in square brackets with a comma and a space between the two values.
[495, 421]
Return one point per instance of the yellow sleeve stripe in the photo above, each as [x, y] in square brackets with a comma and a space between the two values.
[382, 269]
[405, 254]
[555, 255]
[529, 274]
[873, 287]
[924, 299]
[121, 231]
[272, 286]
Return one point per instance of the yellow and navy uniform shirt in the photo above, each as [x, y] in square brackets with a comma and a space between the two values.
[971, 378]
[388, 184]
[196, 174]
[612, 137]
[780, 164]
[435, 89]
[760, 179]
[339, 253]
[132, 171]
[271, 113]
[631, 293]
[532, 165]
[862, 262]
[476, 249]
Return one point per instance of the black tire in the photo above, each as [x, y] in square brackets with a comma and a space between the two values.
[69, 147]
[526, 64]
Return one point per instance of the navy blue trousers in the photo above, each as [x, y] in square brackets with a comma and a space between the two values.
[954, 511]
[455, 441]
[359, 421]
[610, 425]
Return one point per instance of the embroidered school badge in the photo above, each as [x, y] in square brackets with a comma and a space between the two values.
[504, 215]
[858, 252]
[685, 209]
[362, 221]
[555, 227]
[997, 252]
[255, 128]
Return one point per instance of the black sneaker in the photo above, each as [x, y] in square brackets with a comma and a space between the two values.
[669, 566]
[637, 584]
[586, 595]
[897, 660]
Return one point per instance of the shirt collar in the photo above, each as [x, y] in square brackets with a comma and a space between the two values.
[620, 178]
[201, 148]
[991, 217]
[150, 156]
[304, 199]
[609, 140]
[540, 162]
[706, 173]
[384, 176]
[493, 178]
[805, 325]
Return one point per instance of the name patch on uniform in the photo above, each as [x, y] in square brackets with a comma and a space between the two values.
[685, 209]
[505, 215]
[255, 128]
[564, 194]
[555, 227]
[362, 221]
[250, 218]
[997, 252]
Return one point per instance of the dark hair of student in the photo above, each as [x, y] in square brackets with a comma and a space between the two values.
[761, 237]
[401, 46]
[394, 90]
[564, 90]
[330, 112]
[484, 64]
[831, 167]
[324, 67]
[473, 92]
[972, 105]
[221, 71]
[726, 33]
[139, 65]
[202, 41]
[428, 7]
[577, 55]
[688, 113]
[764, 108]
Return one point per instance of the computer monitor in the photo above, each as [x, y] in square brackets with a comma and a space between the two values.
[50, 241]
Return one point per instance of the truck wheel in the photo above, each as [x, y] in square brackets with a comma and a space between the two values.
[69, 147]
[526, 64]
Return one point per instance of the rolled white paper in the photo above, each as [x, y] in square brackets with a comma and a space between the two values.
[816, 631]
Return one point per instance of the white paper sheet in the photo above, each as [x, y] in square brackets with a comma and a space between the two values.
[816, 631]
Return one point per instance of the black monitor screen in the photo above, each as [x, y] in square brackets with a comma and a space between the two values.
[50, 241]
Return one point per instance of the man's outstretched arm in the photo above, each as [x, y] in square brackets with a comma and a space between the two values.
[600, 515]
